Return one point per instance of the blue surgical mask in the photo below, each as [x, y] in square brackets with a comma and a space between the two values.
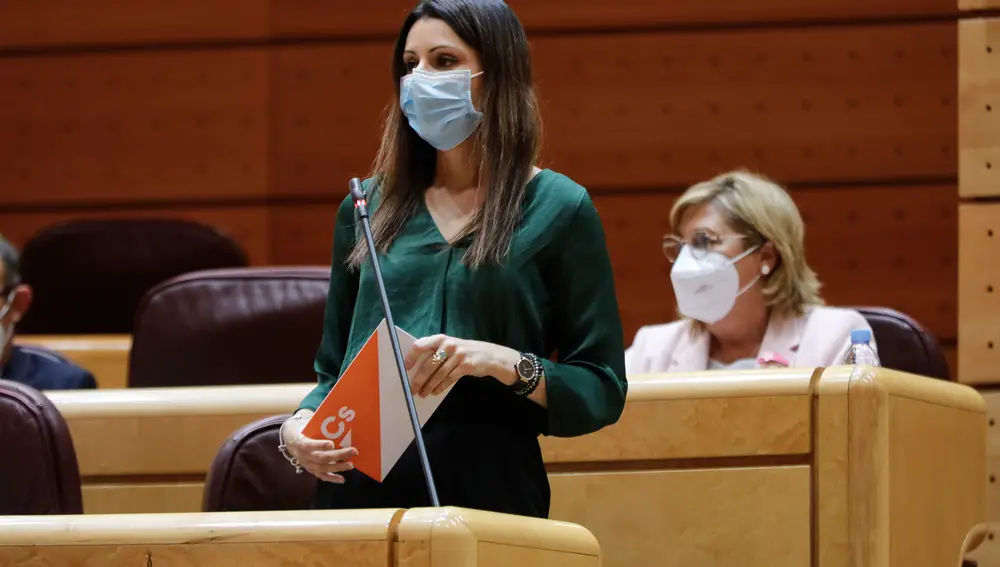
[439, 106]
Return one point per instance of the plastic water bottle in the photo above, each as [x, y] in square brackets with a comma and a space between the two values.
[861, 351]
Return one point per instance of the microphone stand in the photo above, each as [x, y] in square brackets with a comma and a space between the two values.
[361, 205]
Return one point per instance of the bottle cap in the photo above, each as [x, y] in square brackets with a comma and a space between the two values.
[861, 336]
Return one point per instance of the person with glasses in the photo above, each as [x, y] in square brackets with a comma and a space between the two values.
[38, 368]
[746, 296]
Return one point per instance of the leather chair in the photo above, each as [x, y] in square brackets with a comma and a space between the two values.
[230, 327]
[88, 276]
[249, 474]
[903, 344]
[38, 469]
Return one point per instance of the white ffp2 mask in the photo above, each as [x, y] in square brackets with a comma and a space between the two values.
[707, 288]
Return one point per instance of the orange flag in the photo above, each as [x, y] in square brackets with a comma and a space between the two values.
[366, 409]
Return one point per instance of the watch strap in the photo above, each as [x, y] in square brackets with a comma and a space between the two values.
[525, 387]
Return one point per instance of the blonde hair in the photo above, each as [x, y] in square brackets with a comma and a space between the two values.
[761, 210]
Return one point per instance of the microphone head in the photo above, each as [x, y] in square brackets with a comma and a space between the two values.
[357, 193]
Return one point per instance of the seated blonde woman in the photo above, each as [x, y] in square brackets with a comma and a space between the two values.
[747, 297]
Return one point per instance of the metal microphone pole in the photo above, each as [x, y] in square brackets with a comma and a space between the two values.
[361, 205]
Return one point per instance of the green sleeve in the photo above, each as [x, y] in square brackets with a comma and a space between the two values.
[586, 387]
[339, 308]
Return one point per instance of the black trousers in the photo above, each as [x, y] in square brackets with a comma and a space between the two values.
[475, 465]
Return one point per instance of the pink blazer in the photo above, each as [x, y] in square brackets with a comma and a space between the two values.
[821, 337]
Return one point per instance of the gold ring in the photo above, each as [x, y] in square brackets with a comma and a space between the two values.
[439, 357]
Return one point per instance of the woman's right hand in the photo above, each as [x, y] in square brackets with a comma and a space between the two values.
[320, 458]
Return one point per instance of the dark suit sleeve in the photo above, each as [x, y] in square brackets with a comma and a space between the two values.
[86, 380]
[46, 370]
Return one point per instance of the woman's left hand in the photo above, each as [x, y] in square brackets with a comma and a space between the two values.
[436, 362]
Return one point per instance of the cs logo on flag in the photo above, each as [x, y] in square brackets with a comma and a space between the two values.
[345, 415]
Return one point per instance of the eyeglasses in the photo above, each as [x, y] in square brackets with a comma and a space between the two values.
[701, 244]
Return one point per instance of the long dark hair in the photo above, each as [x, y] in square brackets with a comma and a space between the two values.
[508, 136]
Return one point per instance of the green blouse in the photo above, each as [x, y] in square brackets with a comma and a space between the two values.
[554, 296]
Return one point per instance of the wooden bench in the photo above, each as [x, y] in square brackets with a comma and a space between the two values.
[768, 467]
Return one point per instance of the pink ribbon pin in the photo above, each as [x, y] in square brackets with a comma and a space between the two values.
[772, 359]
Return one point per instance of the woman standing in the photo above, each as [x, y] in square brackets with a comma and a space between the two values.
[494, 262]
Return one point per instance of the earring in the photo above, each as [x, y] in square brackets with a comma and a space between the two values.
[765, 269]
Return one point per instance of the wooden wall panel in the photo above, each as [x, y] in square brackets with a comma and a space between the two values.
[154, 126]
[561, 14]
[333, 17]
[951, 355]
[979, 108]
[979, 293]
[978, 4]
[327, 102]
[247, 225]
[303, 234]
[882, 246]
[44, 23]
[262, 140]
[61, 22]
[655, 110]
[813, 104]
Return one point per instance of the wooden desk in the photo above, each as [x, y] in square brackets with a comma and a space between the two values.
[149, 449]
[442, 537]
[992, 398]
[105, 356]
[789, 467]
[982, 546]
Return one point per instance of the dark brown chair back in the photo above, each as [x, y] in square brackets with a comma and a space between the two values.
[38, 470]
[903, 344]
[88, 276]
[249, 474]
[230, 327]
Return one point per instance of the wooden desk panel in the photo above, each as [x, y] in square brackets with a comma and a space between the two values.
[455, 537]
[913, 464]
[164, 431]
[439, 537]
[797, 459]
[117, 496]
[992, 399]
[746, 515]
[311, 538]
[760, 412]
[158, 432]
[978, 4]
[105, 356]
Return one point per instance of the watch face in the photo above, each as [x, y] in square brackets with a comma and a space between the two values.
[526, 369]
